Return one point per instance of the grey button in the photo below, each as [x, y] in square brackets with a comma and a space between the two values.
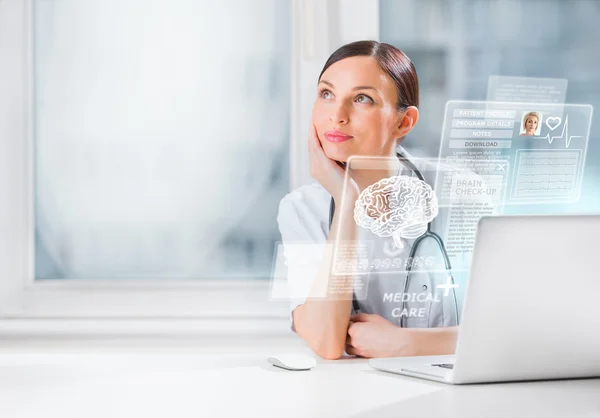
[424, 287]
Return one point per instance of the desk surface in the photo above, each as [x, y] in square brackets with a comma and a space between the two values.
[233, 379]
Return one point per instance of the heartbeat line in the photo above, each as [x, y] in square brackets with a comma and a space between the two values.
[564, 133]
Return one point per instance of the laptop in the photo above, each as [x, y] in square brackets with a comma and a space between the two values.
[532, 305]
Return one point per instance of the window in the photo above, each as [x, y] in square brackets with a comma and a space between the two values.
[145, 147]
[148, 133]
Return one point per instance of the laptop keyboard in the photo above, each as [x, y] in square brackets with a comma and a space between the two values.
[444, 365]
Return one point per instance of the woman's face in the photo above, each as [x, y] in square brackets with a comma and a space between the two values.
[531, 124]
[355, 110]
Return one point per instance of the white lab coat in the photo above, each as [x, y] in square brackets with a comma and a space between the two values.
[304, 225]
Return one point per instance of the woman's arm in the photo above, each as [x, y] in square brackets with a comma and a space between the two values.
[323, 323]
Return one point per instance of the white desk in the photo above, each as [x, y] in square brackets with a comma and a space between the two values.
[152, 378]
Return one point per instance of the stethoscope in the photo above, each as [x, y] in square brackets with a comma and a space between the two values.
[413, 251]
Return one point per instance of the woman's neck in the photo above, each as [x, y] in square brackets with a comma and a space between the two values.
[365, 178]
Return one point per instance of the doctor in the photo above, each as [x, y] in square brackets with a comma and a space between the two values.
[366, 102]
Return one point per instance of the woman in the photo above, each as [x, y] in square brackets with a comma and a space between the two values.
[366, 102]
[530, 123]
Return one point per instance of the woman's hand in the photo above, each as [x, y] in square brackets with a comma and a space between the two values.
[371, 335]
[327, 171]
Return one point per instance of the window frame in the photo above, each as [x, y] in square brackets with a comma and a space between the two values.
[218, 304]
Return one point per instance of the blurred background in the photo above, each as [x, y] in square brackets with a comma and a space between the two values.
[162, 129]
[161, 137]
[456, 45]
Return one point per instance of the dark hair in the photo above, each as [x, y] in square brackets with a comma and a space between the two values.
[391, 60]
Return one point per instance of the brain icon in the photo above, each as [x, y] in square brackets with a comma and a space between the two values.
[399, 206]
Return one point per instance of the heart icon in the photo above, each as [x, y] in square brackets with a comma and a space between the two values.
[553, 122]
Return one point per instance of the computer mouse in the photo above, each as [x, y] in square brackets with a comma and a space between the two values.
[292, 361]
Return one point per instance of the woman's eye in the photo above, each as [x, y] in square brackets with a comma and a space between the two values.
[326, 94]
[364, 99]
